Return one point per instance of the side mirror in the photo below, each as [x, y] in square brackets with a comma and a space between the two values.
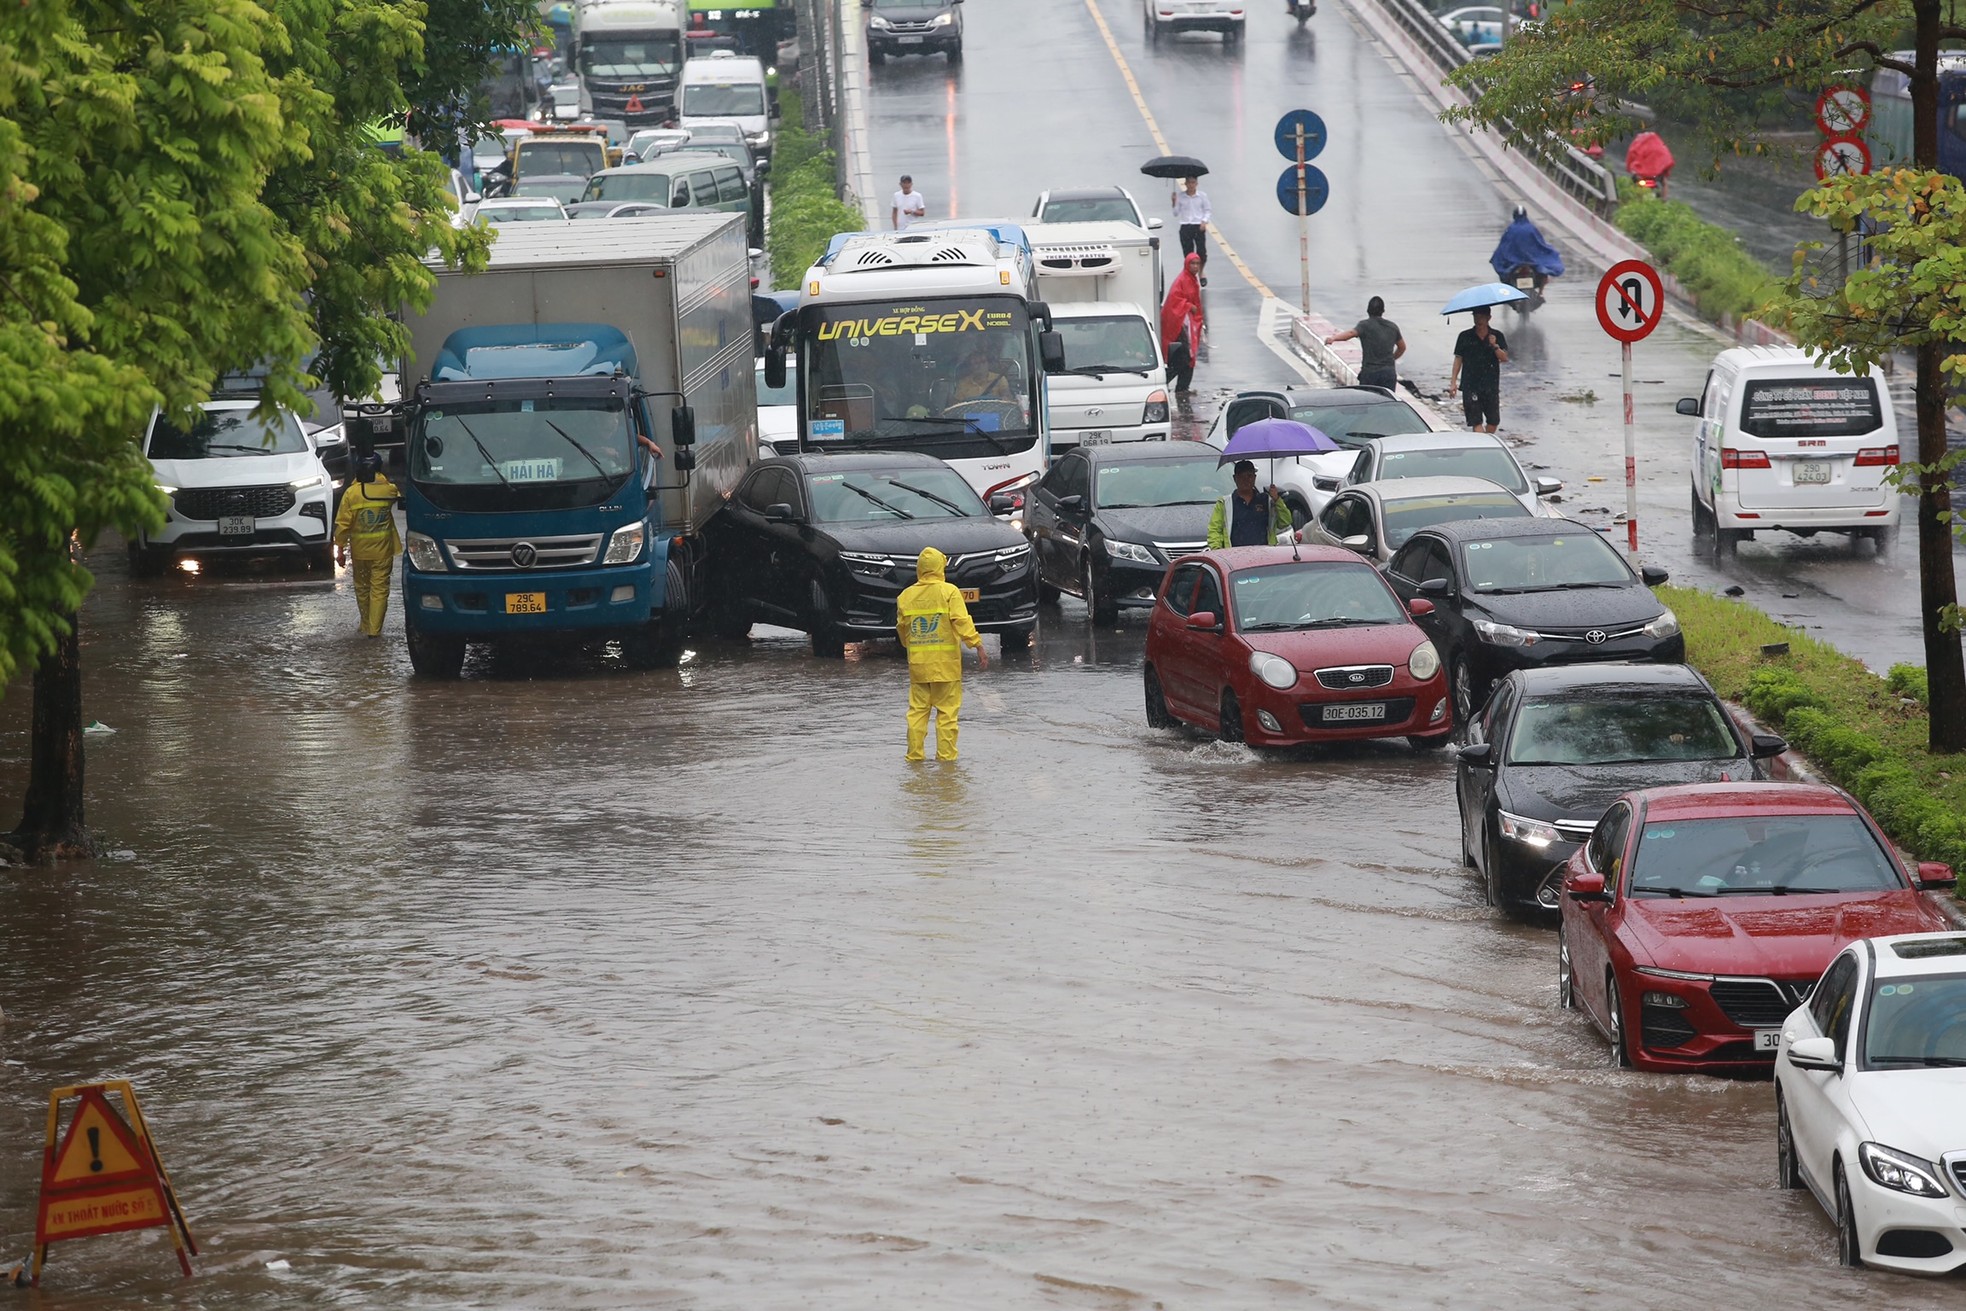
[682, 425]
[1434, 587]
[1814, 1054]
[1002, 504]
[1548, 486]
[1358, 542]
[1586, 887]
[780, 512]
[1766, 746]
[472, 197]
[775, 367]
[1051, 352]
[1481, 755]
[1204, 620]
[1419, 606]
[684, 459]
[1073, 504]
[1687, 405]
[1935, 876]
[1652, 575]
[1040, 313]
[1324, 482]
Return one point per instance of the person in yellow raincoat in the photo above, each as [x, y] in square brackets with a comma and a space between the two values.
[934, 626]
[366, 526]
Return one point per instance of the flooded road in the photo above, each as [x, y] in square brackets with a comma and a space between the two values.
[587, 987]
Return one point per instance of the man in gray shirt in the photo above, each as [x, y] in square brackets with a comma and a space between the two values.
[1380, 343]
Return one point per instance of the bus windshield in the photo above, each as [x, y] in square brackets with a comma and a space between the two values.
[952, 376]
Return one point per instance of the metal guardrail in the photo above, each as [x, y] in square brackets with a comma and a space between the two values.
[1581, 177]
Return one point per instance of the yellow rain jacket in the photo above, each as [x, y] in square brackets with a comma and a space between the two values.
[366, 522]
[934, 623]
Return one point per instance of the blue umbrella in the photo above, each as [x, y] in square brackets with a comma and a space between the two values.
[1273, 439]
[1488, 293]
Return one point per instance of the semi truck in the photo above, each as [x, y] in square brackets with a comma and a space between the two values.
[932, 339]
[628, 54]
[576, 414]
[1102, 282]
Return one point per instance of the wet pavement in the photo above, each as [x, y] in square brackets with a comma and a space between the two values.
[573, 986]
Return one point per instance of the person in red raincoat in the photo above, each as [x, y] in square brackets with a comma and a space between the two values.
[1649, 161]
[1181, 321]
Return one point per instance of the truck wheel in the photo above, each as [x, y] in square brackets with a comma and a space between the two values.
[434, 655]
[657, 645]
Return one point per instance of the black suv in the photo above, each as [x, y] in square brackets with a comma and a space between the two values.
[914, 27]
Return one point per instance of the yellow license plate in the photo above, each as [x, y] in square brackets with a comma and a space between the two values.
[525, 603]
[971, 594]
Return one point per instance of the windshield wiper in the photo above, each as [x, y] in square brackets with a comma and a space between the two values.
[927, 495]
[1346, 621]
[1671, 892]
[235, 446]
[863, 492]
[577, 446]
[1566, 587]
[1101, 370]
[496, 471]
[1275, 626]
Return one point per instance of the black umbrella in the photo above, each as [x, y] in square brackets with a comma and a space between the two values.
[1174, 167]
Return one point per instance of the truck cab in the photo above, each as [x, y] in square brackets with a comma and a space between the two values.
[1102, 282]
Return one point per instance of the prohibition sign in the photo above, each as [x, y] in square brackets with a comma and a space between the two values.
[1630, 301]
[1843, 111]
[1841, 157]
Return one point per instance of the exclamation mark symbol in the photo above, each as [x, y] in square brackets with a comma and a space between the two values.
[95, 1149]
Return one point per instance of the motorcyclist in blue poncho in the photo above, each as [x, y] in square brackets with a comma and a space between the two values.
[1525, 261]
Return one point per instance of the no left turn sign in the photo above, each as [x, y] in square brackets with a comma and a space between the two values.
[1630, 300]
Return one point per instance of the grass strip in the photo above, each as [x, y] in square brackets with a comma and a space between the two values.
[806, 209]
[1708, 260]
[1864, 733]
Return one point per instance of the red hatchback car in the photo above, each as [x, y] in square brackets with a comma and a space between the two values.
[1274, 646]
[1696, 918]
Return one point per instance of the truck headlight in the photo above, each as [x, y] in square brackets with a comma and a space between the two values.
[1156, 408]
[625, 547]
[1900, 1171]
[425, 553]
[1505, 634]
[1666, 625]
[1531, 832]
[1132, 551]
[1273, 670]
[1424, 663]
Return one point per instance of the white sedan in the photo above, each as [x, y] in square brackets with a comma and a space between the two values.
[1869, 1081]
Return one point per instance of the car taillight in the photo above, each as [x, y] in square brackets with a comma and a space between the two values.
[1872, 457]
[1733, 459]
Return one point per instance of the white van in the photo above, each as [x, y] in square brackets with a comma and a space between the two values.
[725, 86]
[1785, 443]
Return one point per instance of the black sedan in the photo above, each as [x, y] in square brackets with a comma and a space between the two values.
[1516, 593]
[1554, 747]
[1106, 520]
[826, 543]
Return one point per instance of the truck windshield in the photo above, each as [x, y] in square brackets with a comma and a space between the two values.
[1120, 344]
[539, 158]
[522, 454]
[743, 98]
[639, 57]
[951, 376]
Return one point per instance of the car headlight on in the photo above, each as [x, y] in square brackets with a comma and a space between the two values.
[942, 20]
[308, 484]
[424, 553]
[1013, 557]
[1900, 1171]
[168, 491]
[1273, 670]
[1660, 972]
[625, 547]
[1133, 551]
[1505, 634]
[1535, 833]
[1666, 625]
[1424, 663]
[878, 23]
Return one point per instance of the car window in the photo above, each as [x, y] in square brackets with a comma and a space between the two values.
[1163, 482]
[703, 184]
[1494, 713]
[1408, 562]
[1208, 596]
[1312, 595]
[1075, 481]
[1537, 564]
[1491, 462]
[770, 486]
[1914, 1023]
[1103, 209]
[1408, 516]
[1605, 840]
[890, 495]
[1116, 343]
[1386, 418]
[1180, 589]
[1762, 855]
[1810, 407]
[1630, 731]
[730, 185]
[1346, 516]
[1422, 561]
[679, 196]
[1834, 994]
[226, 434]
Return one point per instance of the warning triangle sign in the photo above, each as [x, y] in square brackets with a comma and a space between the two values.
[634, 105]
[99, 1145]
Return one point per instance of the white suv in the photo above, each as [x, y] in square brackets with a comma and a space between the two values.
[1224, 16]
[1869, 1081]
[238, 484]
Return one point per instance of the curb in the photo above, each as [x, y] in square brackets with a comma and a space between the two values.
[856, 159]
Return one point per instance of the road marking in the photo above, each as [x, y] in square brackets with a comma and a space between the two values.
[1266, 332]
[1140, 103]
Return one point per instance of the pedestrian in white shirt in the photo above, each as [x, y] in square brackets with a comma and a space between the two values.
[909, 207]
[1191, 211]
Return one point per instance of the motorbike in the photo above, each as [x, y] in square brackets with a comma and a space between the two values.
[1525, 261]
[1648, 162]
[1301, 10]
[1525, 279]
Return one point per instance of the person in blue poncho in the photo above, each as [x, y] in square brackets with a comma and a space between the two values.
[1523, 253]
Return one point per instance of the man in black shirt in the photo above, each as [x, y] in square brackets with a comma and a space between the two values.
[1479, 354]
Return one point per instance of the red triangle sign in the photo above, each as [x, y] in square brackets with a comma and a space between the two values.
[634, 105]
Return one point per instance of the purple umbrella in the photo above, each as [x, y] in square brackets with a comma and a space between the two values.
[1273, 440]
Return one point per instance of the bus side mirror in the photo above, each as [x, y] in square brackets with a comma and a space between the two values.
[682, 425]
[1051, 352]
[775, 366]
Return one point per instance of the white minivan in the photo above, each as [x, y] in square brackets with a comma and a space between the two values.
[1786, 443]
[725, 86]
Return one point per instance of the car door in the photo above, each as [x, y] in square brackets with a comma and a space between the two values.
[1591, 954]
[1335, 521]
[703, 185]
[1070, 530]
[1167, 639]
[784, 564]
[742, 547]
[1818, 1100]
[1041, 522]
[1205, 648]
[1475, 786]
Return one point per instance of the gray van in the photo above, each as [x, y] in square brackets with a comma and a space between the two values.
[678, 179]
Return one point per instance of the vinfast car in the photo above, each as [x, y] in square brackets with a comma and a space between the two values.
[1868, 1085]
[1696, 918]
[826, 543]
[1516, 593]
[1105, 520]
[1274, 646]
[1554, 746]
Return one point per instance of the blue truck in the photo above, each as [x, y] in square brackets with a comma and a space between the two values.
[575, 415]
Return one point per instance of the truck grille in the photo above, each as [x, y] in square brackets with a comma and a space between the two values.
[486, 553]
[209, 503]
[1347, 678]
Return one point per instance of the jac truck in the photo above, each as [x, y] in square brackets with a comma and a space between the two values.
[575, 415]
[628, 54]
[1102, 282]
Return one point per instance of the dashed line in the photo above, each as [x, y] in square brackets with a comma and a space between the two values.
[1140, 103]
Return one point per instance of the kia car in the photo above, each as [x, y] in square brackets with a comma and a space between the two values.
[1275, 645]
[1696, 918]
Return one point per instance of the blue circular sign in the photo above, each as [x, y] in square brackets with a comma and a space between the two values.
[1317, 190]
[1287, 134]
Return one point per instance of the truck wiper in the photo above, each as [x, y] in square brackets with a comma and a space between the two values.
[863, 492]
[927, 495]
[496, 471]
[578, 447]
[1101, 370]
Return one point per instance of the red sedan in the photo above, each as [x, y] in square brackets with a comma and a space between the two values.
[1696, 918]
[1274, 646]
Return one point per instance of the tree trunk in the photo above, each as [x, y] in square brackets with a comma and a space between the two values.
[51, 826]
